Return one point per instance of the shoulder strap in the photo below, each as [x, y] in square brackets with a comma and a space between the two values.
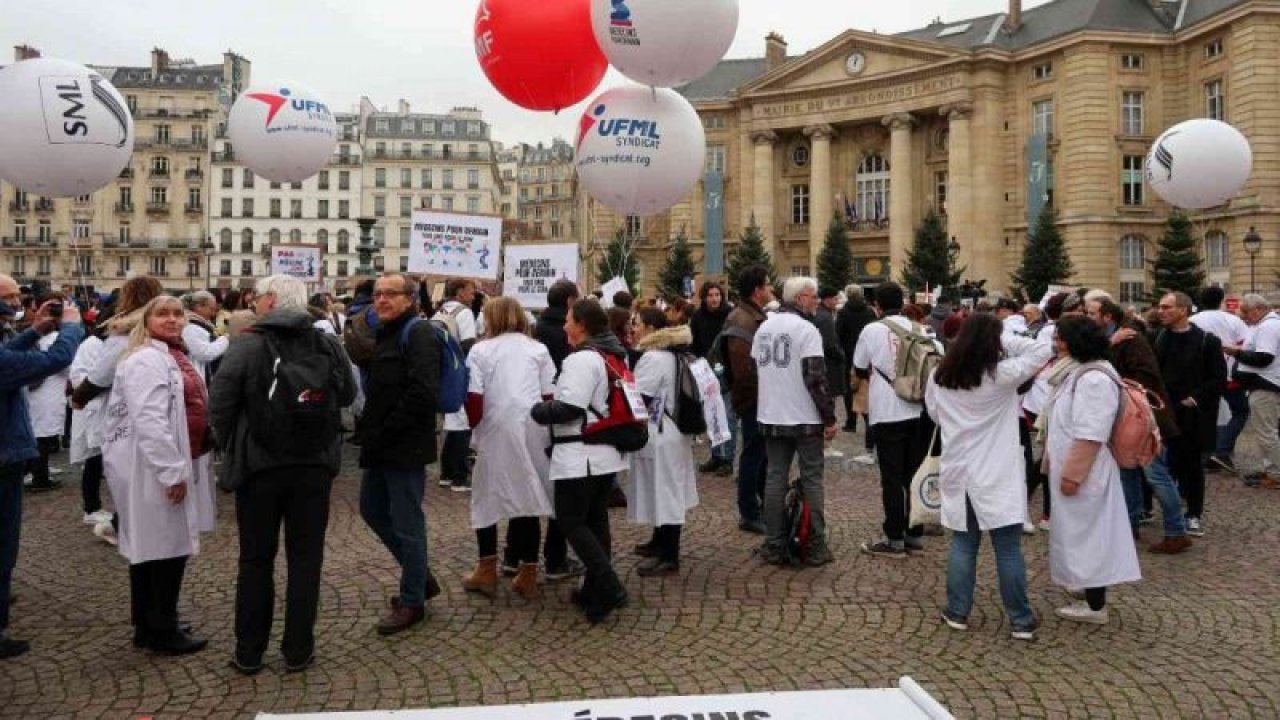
[404, 333]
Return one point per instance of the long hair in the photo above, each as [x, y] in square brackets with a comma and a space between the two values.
[504, 315]
[140, 335]
[975, 352]
[137, 292]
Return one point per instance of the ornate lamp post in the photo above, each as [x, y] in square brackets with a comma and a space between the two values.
[207, 248]
[1252, 245]
[365, 248]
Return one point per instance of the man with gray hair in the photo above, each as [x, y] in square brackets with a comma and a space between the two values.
[796, 414]
[1257, 370]
[275, 406]
[200, 335]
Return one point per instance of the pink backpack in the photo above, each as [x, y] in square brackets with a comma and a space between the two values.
[1135, 436]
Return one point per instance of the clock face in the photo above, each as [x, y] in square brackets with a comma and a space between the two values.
[856, 63]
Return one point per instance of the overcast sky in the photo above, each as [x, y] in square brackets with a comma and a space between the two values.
[419, 50]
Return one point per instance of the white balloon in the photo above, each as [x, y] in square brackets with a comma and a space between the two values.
[640, 150]
[664, 43]
[64, 129]
[1199, 164]
[282, 132]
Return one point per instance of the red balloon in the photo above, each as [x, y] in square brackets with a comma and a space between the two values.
[539, 55]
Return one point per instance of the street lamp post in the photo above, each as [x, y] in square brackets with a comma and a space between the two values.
[1252, 245]
[365, 248]
[207, 248]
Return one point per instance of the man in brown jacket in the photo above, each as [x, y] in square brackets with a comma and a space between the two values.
[740, 327]
[1134, 359]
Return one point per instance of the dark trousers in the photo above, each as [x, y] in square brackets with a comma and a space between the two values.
[582, 509]
[391, 505]
[298, 499]
[1035, 478]
[91, 484]
[523, 534]
[40, 466]
[10, 532]
[453, 456]
[555, 549]
[1096, 597]
[1186, 463]
[666, 538]
[752, 465]
[153, 592]
[900, 447]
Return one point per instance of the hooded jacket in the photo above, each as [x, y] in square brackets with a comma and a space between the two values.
[247, 368]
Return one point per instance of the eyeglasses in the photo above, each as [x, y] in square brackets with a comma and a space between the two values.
[387, 293]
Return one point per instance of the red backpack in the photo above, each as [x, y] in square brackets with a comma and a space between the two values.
[1135, 436]
[626, 425]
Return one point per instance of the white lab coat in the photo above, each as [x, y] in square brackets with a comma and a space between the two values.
[202, 350]
[1090, 544]
[86, 424]
[145, 452]
[512, 372]
[47, 402]
[663, 475]
[982, 457]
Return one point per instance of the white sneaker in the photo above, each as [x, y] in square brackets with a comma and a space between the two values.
[104, 532]
[1028, 528]
[832, 453]
[1080, 612]
[867, 459]
[1043, 524]
[1195, 528]
[28, 479]
[55, 470]
[97, 516]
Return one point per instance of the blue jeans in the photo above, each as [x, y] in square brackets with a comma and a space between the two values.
[1011, 571]
[1238, 401]
[751, 469]
[728, 449]
[1163, 487]
[391, 505]
[10, 532]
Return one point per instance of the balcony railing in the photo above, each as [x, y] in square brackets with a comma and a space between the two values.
[160, 173]
[44, 206]
[195, 174]
[157, 208]
[193, 209]
[344, 160]
[224, 156]
[124, 208]
[19, 207]
[13, 242]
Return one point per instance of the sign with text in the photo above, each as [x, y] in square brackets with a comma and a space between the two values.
[299, 261]
[529, 271]
[455, 245]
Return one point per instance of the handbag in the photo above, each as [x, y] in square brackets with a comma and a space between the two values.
[926, 496]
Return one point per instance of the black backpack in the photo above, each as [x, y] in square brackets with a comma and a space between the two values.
[687, 412]
[295, 411]
[718, 355]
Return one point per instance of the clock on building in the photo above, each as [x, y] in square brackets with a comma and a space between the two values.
[856, 63]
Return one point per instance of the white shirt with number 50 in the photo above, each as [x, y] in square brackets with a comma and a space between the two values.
[877, 351]
[779, 348]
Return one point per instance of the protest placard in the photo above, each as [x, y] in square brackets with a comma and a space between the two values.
[303, 262]
[455, 244]
[528, 271]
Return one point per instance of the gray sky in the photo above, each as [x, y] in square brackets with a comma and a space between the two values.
[419, 50]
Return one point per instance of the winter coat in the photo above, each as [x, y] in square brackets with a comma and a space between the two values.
[203, 345]
[246, 368]
[748, 317]
[837, 365]
[1135, 360]
[850, 320]
[705, 325]
[20, 365]
[663, 475]
[398, 426]
[1206, 365]
[549, 331]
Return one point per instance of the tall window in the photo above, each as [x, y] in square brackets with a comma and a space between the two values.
[1133, 268]
[322, 239]
[473, 179]
[80, 229]
[160, 195]
[246, 240]
[1217, 251]
[1215, 102]
[274, 208]
[406, 177]
[247, 180]
[380, 177]
[379, 205]
[194, 201]
[273, 237]
[447, 180]
[20, 230]
[158, 266]
[44, 233]
[873, 189]
[1131, 121]
[940, 192]
[344, 180]
[226, 208]
[425, 179]
[633, 226]
[1131, 179]
[228, 176]
[295, 208]
[246, 207]
[322, 182]
[1042, 117]
[473, 203]
[344, 209]
[406, 205]
[799, 204]
[344, 239]
[715, 159]
[224, 240]
[404, 237]
[322, 209]
[295, 236]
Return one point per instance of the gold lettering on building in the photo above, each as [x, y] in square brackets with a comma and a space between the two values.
[906, 91]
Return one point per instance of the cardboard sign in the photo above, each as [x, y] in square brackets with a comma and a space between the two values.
[529, 271]
[455, 245]
[303, 262]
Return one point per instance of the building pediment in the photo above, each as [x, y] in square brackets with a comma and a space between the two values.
[853, 55]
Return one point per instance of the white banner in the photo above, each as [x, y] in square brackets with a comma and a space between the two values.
[299, 261]
[713, 411]
[529, 271]
[614, 285]
[455, 245]
[906, 702]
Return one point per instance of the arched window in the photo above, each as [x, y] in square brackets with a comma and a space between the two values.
[274, 237]
[246, 240]
[322, 239]
[872, 190]
[224, 240]
[344, 238]
[295, 236]
[1217, 251]
[1133, 269]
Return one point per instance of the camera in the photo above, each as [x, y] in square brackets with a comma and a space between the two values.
[55, 310]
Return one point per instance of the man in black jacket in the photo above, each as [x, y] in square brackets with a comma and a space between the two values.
[854, 316]
[398, 440]
[274, 486]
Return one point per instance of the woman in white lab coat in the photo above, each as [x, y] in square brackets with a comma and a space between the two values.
[663, 474]
[973, 398]
[156, 423]
[81, 422]
[205, 349]
[1090, 545]
[509, 373]
[47, 406]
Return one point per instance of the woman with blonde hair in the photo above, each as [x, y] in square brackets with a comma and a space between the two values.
[510, 373]
[156, 426]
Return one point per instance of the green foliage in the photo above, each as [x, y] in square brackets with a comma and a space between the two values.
[932, 259]
[1045, 260]
[679, 265]
[1178, 265]
[750, 251]
[619, 260]
[835, 262]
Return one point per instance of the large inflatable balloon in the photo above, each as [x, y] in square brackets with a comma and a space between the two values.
[664, 43]
[640, 149]
[540, 56]
[64, 130]
[1199, 164]
[282, 132]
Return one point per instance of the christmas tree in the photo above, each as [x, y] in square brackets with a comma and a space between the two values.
[835, 262]
[1045, 260]
[619, 260]
[1178, 264]
[931, 262]
[750, 251]
[679, 266]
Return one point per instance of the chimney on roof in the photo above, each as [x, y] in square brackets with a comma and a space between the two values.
[1013, 20]
[159, 61]
[775, 51]
[403, 107]
[24, 52]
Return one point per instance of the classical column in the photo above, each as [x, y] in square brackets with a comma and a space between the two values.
[762, 187]
[820, 197]
[901, 198]
[960, 219]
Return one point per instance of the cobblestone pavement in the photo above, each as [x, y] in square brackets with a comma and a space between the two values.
[1197, 638]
